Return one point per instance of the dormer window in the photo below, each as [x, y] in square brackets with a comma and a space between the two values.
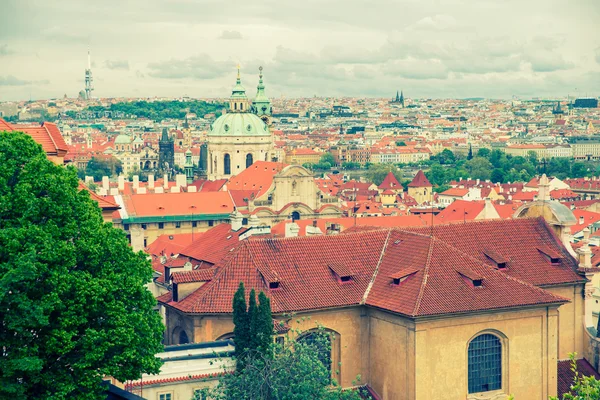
[273, 285]
[342, 273]
[403, 275]
[551, 255]
[500, 261]
[470, 277]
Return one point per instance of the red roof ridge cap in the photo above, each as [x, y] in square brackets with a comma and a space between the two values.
[425, 276]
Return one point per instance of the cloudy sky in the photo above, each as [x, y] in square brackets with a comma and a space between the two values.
[428, 48]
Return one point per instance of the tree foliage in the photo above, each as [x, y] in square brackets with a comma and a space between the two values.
[74, 305]
[105, 166]
[159, 110]
[292, 370]
[583, 387]
[377, 172]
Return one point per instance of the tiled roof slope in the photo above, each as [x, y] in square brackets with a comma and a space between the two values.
[565, 375]
[420, 180]
[171, 204]
[257, 177]
[435, 275]
[390, 182]
[214, 244]
[515, 239]
[47, 134]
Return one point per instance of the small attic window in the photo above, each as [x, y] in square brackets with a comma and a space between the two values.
[477, 282]
[345, 278]
[273, 285]
[553, 256]
[343, 273]
[500, 261]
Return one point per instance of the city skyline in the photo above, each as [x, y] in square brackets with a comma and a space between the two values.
[430, 49]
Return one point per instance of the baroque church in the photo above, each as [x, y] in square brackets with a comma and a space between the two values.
[240, 136]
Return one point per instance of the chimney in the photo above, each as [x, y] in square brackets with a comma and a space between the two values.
[151, 181]
[180, 180]
[582, 221]
[333, 229]
[236, 219]
[166, 181]
[89, 179]
[121, 183]
[543, 188]
[291, 229]
[105, 183]
[313, 230]
[584, 254]
[253, 221]
[136, 181]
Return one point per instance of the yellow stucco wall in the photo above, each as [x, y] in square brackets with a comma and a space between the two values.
[570, 320]
[420, 194]
[529, 354]
[427, 359]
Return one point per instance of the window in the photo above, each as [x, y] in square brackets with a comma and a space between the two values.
[165, 396]
[485, 363]
[177, 224]
[227, 164]
[126, 227]
[194, 224]
[199, 395]
[144, 226]
[161, 225]
[249, 160]
[211, 223]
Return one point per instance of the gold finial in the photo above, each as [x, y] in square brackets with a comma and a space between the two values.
[238, 67]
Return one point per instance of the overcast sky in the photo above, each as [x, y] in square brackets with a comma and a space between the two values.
[428, 48]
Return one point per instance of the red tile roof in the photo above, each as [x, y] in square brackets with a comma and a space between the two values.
[565, 375]
[178, 204]
[390, 182]
[259, 177]
[47, 134]
[214, 244]
[436, 285]
[420, 180]
[455, 192]
[104, 202]
[199, 275]
[171, 244]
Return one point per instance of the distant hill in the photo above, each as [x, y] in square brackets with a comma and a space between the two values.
[159, 110]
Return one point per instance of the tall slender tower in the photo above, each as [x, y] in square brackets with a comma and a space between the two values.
[89, 88]
[261, 105]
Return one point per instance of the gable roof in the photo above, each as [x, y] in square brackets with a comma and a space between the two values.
[436, 283]
[257, 177]
[47, 134]
[420, 180]
[390, 182]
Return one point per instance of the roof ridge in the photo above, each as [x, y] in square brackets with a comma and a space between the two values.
[370, 286]
[425, 276]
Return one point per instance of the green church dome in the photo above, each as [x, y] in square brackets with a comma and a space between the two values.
[123, 139]
[239, 124]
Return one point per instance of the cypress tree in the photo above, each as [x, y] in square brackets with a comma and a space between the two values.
[253, 317]
[264, 330]
[470, 155]
[241, 323]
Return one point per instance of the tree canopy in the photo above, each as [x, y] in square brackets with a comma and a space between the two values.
[102, 166]
[158, 110]
[74, 305]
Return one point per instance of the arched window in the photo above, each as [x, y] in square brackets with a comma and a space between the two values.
[295, 216]
[485, 363]
[321, 344]
[227, 164]
[249, 160]
[183, 337]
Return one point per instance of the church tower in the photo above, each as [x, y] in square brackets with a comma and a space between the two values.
[189, 167]
[261, 105]
[166, 152]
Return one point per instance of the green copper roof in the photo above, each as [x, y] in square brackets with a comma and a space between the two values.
[238, 92]
[261, 104]
[239, 124]
[123, 139]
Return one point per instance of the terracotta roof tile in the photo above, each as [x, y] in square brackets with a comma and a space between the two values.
[420, 180]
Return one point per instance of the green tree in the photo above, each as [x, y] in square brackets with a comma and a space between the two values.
[401, 143]
[293, 370]
[470, 154]
[264, 325]
[99, 167]
[241, 322]
[483, 152]
[377, 173]
[348, 165]
[254, 320]
[497, 176]
[446, 157]
[74, 305]
[437, 175]
[479, 168]
[327, 158]
[583, 387]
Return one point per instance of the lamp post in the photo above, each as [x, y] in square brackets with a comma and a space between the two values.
[192, 207]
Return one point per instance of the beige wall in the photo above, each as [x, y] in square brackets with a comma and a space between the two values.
[152, 231]
[420, 194]
[529, 354]
[179, 391]
[570, 320]
[427, 359]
